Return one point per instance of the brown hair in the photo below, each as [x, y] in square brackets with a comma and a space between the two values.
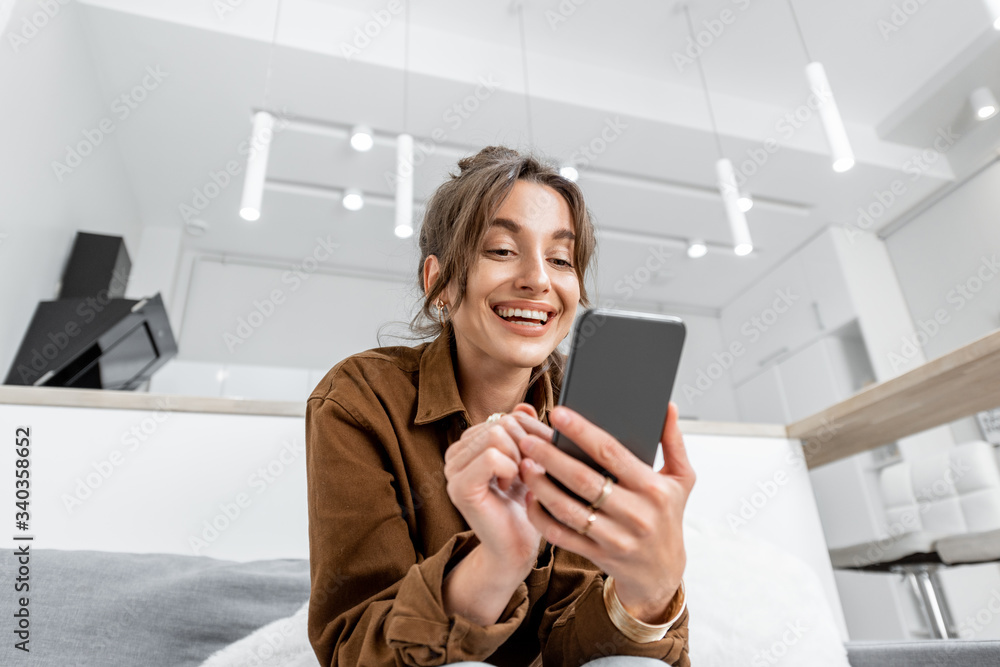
[459, 214]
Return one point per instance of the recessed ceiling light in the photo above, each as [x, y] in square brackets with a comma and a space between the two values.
[362, 138]
[697, 248]
[404, 231]
[983, 103]
[353, 199]
[743, 249]
[569, 172]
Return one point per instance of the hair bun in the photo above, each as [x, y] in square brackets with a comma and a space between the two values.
[487, 156]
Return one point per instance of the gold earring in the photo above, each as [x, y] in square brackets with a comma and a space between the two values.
[440, 308]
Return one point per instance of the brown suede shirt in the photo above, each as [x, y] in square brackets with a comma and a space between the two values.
[383, 532]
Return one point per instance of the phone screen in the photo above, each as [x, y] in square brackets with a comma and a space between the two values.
[620, 375]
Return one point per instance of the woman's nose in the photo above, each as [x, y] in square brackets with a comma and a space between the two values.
[534, 273]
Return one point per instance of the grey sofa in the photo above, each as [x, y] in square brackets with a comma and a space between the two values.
[924, 653]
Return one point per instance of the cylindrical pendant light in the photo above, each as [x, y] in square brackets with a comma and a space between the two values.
[404, 147]
[253, 183]
[404, 186]
[829, 115]
[993, 7]
[742, 245]
[260, 140]
[984, 104]
[836, 135]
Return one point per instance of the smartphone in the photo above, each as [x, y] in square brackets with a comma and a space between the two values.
[620, 375]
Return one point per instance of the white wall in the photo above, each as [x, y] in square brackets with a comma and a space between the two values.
[50, 99]
[951, 247]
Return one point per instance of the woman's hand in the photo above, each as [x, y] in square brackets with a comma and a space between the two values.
[637, 535]
[485, 485]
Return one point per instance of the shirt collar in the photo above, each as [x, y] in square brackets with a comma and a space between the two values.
[437, 388]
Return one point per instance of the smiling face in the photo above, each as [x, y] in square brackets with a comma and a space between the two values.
[525, 264]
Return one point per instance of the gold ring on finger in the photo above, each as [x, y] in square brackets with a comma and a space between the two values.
[605, 492]
[590, 522]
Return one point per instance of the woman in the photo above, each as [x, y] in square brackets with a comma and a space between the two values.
[426, 465]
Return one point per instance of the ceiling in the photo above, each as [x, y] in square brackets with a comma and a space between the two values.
[601, 63]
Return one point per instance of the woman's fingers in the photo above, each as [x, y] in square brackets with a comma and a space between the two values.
[526, 415]
[606, 451]
[470, 483]
[483, 436]
[571, 512]
[675, 458]
[576, 475]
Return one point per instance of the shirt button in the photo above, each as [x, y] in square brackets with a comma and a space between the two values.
[461, 423]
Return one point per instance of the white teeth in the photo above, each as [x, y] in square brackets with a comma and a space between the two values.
[540, 315]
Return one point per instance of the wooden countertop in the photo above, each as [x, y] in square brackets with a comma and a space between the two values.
[958, 384]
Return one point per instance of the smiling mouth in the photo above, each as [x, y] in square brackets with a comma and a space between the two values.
[526, 318]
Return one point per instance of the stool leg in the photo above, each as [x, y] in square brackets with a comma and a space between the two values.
[938, 625]
[910, 575]
[942, 600]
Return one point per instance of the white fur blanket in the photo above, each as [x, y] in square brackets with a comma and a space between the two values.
[751, 604]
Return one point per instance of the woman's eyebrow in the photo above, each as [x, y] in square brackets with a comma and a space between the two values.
[515, 228]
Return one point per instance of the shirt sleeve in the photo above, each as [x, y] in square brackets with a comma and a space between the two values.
[374, 599]
[576, 628]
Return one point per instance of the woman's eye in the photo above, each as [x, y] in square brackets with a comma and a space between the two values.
[565, 263]
[499, 251]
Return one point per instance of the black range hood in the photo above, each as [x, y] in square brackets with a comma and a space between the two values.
[91, 336]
